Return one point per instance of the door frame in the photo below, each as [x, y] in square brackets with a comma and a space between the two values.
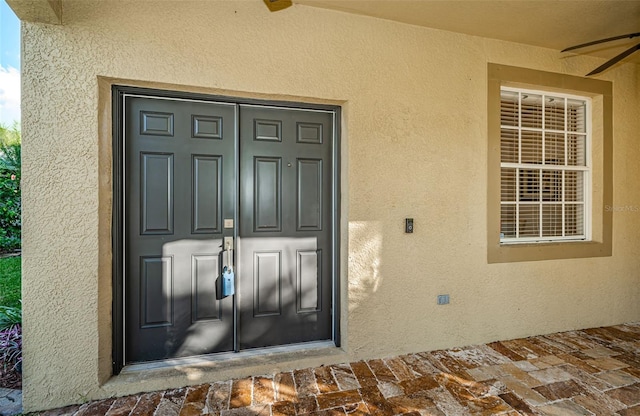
[118, 93]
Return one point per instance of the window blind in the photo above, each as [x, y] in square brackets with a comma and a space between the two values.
[544, 166]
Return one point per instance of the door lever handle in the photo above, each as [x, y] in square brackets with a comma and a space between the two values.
[228, 277]
[228, 248]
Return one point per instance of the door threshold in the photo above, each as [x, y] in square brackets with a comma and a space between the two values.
[211, 368]
[301, 349]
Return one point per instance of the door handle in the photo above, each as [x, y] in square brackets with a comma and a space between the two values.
[228, 277]
[227, 248]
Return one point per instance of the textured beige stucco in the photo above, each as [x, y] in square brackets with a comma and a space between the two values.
[43, 11]
[414, 144]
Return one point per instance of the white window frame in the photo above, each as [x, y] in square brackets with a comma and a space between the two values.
[586, 169]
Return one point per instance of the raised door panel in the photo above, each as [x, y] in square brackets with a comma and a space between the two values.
[309, 284]
[156, 193]
[156, 303]
[267, 271]
[204, 300]
[154, 123]
[267, 194]
[309, 133]
[267, 130]
[309, 195]
[206, 127]
[207, 193]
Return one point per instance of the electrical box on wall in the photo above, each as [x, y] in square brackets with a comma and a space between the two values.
[443, 299]
[408, 225]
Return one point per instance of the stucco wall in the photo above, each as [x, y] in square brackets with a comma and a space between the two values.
[414, 145]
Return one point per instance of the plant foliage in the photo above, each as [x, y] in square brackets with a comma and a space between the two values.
[10, 202]
[9, 317]
[11, 346]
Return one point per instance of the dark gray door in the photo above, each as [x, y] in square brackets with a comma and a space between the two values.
[284, 245]
[196, 172]
[180, 176]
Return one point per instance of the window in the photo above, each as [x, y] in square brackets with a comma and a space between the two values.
[544, 166]
[549, 165]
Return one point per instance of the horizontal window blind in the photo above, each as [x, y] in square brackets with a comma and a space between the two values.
[545, 170]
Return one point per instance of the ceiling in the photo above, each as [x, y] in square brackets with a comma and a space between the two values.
[555, 24]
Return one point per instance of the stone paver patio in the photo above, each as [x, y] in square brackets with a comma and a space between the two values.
[589, 372]
[10, 402]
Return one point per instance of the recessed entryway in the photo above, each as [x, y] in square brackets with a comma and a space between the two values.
[205, 185]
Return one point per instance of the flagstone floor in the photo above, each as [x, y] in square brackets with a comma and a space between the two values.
[590, 372]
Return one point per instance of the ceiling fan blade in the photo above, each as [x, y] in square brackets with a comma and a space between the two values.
[615, 60]
[277, 5]
[595, 42]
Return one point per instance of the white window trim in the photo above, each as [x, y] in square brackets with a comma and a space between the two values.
[587, 169]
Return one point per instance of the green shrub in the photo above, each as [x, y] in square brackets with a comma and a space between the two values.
[10, 203]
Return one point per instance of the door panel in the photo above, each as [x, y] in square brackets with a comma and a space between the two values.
[267, 195]
[156, 192]
[207, 196]
[309, 201]
[157, 281]
[179, 158]
[309, 280]
[267, 273]
[284, 284]
[205, 305]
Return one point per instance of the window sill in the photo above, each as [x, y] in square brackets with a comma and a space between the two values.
[541, 241]
[546, 250]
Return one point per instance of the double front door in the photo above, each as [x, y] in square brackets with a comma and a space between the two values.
[213, 184]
